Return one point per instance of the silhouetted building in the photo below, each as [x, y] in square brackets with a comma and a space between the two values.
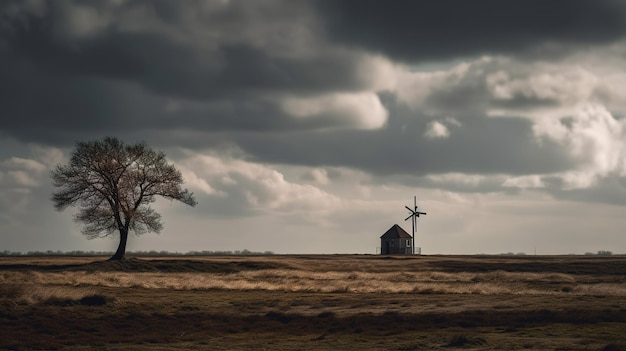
[395, 241]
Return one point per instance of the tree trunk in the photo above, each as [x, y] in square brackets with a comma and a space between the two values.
[121, 248]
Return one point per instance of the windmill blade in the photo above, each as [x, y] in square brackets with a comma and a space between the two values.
[406, 219]
[419, 213]
[408, 208]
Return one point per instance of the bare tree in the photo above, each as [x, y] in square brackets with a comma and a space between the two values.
[113, 184]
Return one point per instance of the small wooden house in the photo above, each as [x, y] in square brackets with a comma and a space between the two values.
[396, 241]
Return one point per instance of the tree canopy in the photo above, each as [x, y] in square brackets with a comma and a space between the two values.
[113, 185]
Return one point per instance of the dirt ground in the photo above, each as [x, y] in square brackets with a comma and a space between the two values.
[326, 302]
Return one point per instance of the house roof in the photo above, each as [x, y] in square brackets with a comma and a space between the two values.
[395, 232]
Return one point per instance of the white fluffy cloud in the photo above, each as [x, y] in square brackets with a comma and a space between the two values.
[317, 175]
[524, 182]
[24, 184]
[415, 87]
[21, 173]
[594, 138]
[360, 110]
[264, 188]
[441, 129]
[561, 84]
[567, 104]
[436, 130]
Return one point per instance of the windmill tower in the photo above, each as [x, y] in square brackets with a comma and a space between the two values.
[413, 216]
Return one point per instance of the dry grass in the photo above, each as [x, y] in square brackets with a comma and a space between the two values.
[314, 302]
[294, 280]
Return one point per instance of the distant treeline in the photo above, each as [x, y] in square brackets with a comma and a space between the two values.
[133, 253]
[599, 253]
[155, 253]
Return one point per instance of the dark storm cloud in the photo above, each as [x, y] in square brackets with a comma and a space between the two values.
[88, 67]
[171, 68]
[221, 64]
[480, 146]
[448, 29]
[195, 74]
[48, 108]
[459, 100]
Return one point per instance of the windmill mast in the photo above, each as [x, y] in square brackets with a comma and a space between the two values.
[414, 214]
[414, 225]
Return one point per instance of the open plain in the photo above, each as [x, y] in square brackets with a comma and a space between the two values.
[325, 302]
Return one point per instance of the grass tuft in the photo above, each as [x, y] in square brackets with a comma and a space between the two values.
[462, 340]
[11, 291]
[89, 300]
[326, 314]
[61, 302]
[278, 316]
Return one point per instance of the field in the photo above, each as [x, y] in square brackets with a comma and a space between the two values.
[325, 302]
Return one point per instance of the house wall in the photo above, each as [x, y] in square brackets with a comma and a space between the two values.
[396, 246]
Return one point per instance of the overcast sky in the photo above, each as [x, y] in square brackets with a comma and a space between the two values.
[307, 126]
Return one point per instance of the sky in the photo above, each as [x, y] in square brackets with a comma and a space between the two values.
[307, 126]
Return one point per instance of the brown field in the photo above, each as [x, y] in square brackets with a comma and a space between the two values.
[326, 302]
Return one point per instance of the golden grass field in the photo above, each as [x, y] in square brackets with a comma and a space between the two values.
[314, 302]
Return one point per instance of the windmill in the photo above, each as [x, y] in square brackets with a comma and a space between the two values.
[414, 215]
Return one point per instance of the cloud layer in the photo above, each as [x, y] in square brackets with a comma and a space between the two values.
[309, 117]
